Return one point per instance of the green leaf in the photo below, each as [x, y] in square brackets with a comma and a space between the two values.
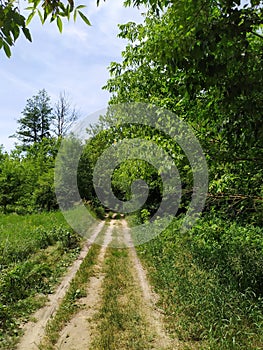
[16, 32]
[8, 39]
[68, 12]
[85, 19]
[40, 16]
[80, 7]
[59, 24]
[29, 18]
[27, 34]
[75, 15]
[36, 3]
[7, 49]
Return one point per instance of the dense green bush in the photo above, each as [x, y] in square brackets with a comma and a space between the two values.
[100, 212]
[234, 251]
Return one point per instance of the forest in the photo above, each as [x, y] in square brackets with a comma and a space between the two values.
[202, 61]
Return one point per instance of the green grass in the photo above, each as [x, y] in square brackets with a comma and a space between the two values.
[210, 283]
[35, 251]
[120, 323]
[22, 236]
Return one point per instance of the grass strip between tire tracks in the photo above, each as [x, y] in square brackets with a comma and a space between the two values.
[120, 322]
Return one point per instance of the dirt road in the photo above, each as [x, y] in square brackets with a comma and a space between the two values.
[119, 310]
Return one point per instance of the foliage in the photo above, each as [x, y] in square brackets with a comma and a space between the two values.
[12, 181]
[36, 120]
[12, 21]
[206, 69]
[27, 173]
[133, 168]
[27, 180]
[100, 212]
[66, 172]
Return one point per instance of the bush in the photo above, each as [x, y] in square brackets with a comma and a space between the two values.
[100, 212]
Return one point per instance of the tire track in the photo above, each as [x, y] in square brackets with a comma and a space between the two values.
[83, 329]
[149, 299]
[34, 331]
[80, 331]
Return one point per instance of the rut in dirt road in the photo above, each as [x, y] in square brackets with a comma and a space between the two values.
[79, 332]
[149, 299]
[34, 331]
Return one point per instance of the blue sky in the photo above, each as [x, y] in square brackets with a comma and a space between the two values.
[75, 61]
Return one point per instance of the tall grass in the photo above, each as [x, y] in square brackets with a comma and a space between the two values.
[34, 251]
[22, 236]
[210, 282]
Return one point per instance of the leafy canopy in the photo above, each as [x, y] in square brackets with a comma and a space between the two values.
[202, 60]
[12, 22]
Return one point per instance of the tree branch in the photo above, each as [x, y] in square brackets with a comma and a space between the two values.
[255, 33]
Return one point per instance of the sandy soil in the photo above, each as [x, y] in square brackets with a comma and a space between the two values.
[80, 331]
[149, 299]
[34, 331]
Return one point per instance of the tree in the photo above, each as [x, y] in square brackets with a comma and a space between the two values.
[12, 21]
[12, 184]
[36, 120]
[64, 115]
[27, 179]
[66, 170]
[207, 68]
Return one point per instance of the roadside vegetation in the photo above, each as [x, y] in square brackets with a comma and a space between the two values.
[35, 251]
[201, 60]
[210, 282]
